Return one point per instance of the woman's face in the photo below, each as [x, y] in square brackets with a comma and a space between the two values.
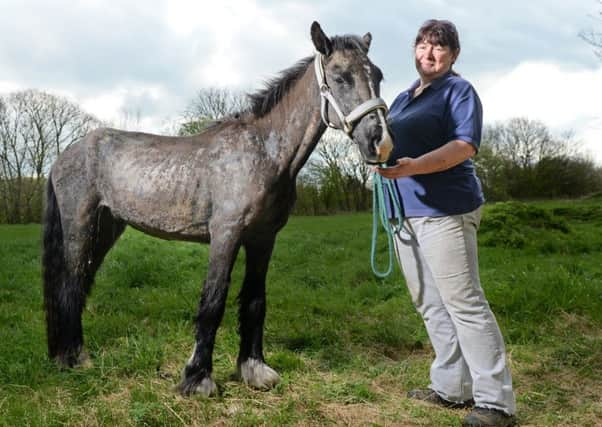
[433, 61]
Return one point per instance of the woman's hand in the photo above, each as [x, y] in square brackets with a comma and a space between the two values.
[406, 166]
[443, 158]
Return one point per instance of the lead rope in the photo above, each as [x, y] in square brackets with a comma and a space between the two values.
[379, 211]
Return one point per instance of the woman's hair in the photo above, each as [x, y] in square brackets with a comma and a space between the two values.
[439, 32]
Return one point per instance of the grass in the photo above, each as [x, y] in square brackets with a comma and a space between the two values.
[347, 345]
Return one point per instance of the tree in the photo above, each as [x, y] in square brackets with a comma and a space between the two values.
[521, 158]
[129, 119]
[211, 104]
[34, 128]
[491, 169]
[12, 159]
[339, 175]
[525, 142]
[565, 176]
[593, 37]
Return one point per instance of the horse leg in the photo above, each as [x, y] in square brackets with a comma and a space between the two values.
[106, 232]
[251, 365]
[74, 246]
[224, 246]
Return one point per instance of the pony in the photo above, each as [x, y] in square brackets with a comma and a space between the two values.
[231, 185]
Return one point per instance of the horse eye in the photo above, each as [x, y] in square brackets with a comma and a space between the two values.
[339, 80]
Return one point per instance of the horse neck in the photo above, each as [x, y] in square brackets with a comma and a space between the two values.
[295, 124]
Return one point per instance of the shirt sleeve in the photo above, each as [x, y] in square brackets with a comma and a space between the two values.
[465, 121]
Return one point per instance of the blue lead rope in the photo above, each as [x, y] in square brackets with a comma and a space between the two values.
[379, 211]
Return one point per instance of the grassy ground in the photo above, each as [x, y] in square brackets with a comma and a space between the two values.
[348, 346]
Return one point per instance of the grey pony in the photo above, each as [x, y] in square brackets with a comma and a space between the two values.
[232, 185]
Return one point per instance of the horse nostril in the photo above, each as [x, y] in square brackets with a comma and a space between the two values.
[375, 141]
[377, 134]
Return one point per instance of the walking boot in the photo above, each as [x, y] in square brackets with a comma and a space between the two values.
[487, 417]
[431, 396]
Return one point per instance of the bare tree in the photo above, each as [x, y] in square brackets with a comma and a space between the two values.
[12, 159]
[34, 128]
[338, 168]
[129, 119]
[525, 142]
[594, 37]
[517, 159]
[568, 145]
[211, 104]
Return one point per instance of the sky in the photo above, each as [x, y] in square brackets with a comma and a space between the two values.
[126, 58]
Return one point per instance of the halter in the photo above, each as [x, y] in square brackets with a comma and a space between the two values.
[348, 122]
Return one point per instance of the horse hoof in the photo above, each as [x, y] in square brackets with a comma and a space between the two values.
[257, 374]
[84, 361]
[205, 388]
[74, 359]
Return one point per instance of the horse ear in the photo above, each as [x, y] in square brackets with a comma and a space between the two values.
[367, 40]
[321, 41]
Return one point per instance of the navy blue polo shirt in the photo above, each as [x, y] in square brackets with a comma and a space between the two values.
[447, 110]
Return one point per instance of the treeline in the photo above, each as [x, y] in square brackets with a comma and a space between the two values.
[335, 179]
[34, 128]
[518, 159]
[521, 159]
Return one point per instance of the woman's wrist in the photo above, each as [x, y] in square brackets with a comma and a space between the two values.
[418, 165]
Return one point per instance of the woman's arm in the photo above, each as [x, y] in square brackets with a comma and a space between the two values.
[443, 158]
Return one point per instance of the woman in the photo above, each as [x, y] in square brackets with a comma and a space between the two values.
[436, 126]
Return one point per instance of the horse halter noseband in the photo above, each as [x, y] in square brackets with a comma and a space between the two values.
[348, 122]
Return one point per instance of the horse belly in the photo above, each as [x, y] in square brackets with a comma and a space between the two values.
[190, 233]
[166, 202]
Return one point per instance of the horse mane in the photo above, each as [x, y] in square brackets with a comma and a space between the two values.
[265, 99]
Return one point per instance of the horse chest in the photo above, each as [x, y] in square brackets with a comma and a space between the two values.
[275, 206]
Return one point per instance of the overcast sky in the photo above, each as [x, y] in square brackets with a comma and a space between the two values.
[525, 58]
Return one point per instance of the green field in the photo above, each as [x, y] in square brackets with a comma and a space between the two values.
[348, 346]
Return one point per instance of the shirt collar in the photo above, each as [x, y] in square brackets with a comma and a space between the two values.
[435, 84]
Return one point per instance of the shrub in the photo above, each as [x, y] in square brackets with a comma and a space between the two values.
[511, 224]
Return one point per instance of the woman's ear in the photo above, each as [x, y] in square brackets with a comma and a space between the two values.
[455, 56]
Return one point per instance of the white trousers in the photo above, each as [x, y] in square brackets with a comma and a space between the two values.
[438, 256]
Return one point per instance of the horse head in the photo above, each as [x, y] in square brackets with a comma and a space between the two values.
[350, 92]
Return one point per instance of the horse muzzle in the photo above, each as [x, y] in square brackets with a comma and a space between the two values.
[384, 147]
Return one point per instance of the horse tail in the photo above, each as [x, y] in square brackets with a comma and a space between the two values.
[53, 266]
